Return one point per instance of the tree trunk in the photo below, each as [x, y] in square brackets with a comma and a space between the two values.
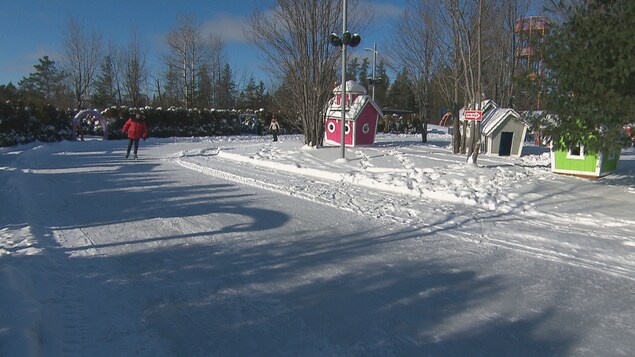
[477, 144]
[424, 131]
[456, 128]
[464, 138]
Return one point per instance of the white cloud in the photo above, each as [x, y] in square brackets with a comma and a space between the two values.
[381, 10]
[230, 28]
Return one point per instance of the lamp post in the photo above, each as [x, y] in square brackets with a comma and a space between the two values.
[373, 78]
[345, 40]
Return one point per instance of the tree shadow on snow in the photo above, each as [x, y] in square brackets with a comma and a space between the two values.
[318, 293]
[327, 291]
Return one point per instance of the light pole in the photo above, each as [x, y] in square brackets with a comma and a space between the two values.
[373, 78]
[346, 40]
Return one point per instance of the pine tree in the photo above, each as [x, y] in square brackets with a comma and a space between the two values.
[8, 92]
[352, 69]
[105, 94]
[591, 83]
[253, 96]
[400, 95]
[45, 86]
[226, 89]
[382, 84]
[204, 88]
[364, 74]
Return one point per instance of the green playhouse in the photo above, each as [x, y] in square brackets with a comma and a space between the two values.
[579, 161]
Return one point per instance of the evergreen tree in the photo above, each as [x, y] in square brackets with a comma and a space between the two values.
[352, 69]
[226, 89]
[400, 95]
[382, 84]
[45, 86]
[364, 74]
[253, 95]
[105, 94]
[205, 88]
[8, 92]
[172, 91]
[591, 82]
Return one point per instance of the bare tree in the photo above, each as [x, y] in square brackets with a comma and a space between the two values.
[416, 50]
[449, 72]
[463, 19]
[187, 52]
[82, 58]
[115, 53]
[293, 39]
[498, 41]
[476, 59]
[213, 68]
[134, 71]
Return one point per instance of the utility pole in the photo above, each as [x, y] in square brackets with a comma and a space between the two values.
[343, 99]
[373, 78]
[346, 40]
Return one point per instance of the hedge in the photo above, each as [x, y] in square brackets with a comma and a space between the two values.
[20, 124]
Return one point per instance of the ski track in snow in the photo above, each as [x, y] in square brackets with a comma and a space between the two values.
[400, 209]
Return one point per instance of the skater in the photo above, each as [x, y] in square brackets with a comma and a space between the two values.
[137, 129]
[274, 127]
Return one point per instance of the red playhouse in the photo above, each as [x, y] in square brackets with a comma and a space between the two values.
[362, 116]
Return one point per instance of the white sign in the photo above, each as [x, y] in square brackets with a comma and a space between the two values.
[473, 115]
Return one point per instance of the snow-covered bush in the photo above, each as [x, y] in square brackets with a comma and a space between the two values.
[20, 124]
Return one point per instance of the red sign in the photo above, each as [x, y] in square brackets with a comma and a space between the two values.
[473, 115]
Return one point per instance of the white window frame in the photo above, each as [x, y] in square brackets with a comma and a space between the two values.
[330, 127]
[582, 155]
[366, 128]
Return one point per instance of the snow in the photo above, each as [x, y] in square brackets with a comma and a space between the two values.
[242, 246]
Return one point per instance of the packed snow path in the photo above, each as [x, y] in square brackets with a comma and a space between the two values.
[192, 252]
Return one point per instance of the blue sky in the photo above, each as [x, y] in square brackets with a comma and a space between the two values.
[31, 29]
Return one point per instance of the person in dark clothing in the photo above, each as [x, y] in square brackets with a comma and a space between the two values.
[137, 129]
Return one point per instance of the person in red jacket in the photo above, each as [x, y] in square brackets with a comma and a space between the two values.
[136, 129]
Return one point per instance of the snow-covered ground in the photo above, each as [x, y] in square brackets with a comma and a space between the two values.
[238, 246]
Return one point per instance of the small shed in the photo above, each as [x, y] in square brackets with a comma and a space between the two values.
[361, 117]
[504, 132]
[577, 160]
[502, 129]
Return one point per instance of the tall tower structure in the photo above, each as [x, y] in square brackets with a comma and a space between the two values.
[530, 32]
[530, 36]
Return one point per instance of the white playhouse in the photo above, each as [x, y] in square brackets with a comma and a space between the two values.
[502, 128]
[361, 118]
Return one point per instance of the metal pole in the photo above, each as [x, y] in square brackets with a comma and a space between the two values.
[374, 76]
[343, 99]
[374, 60]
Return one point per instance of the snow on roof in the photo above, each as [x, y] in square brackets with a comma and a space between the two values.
[351, 87]
[353, 110]
[486, 105]
[495, 117]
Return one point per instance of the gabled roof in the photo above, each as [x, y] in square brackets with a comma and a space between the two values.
[495, 117]
[352, 112]
[486, 105]
[351, 87]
